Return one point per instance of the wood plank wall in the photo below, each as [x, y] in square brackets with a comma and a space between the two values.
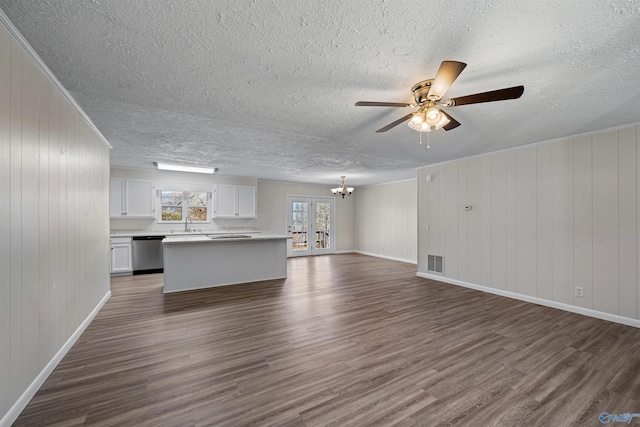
[54, 225]
[386, 219]
[545, 218]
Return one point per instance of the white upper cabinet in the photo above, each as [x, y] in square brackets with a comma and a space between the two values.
[246, 202]
[234, 201]
[116, 197]
[225, 201]
[139, 198]
[130, 198]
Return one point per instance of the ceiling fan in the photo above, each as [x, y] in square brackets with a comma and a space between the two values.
[428, 96]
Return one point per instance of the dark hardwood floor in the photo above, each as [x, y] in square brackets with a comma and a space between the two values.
[344, 340]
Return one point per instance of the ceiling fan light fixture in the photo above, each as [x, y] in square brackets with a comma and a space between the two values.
[433, 116]
[436, 119]
[420, 123]
[443, 122]
[417, 119]
[429, 125]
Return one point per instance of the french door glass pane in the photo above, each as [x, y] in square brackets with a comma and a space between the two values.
[300, 226]
[323, 225]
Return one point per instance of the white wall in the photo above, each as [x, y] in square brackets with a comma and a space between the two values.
[182, 178]
[272, 209]
[386, 220]
[54, 224]
[545, 218]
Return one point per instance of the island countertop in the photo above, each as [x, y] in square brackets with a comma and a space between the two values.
[219, 238]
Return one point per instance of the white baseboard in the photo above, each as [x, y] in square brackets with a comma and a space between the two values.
[28, 394]
[547, 303]
[353, 251]
[392, 258]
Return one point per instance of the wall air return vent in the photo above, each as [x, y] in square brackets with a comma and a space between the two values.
[435, 264]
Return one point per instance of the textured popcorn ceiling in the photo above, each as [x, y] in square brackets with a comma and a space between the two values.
[266, 89]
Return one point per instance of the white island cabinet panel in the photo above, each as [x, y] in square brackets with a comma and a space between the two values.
[195, 262]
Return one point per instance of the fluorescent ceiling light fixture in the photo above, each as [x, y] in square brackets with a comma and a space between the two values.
[179, 168]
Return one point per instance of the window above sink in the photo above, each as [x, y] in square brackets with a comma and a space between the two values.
[177, 206]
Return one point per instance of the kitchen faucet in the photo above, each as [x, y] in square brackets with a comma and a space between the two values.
[186, 224]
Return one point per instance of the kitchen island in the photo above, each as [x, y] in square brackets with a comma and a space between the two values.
[196, 262]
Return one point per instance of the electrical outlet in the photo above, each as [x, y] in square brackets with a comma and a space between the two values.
[579, 291]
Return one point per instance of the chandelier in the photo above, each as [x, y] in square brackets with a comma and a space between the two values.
[343, 190]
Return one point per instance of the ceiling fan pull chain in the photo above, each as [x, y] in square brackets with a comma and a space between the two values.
[428, 146]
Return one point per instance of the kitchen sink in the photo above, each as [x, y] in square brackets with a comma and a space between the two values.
[228, 236]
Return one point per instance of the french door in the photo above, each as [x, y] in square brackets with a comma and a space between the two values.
[310, 223]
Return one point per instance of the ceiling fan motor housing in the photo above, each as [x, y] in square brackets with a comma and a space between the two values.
[421, 91]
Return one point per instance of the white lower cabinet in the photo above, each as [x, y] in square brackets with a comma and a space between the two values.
[121, 255]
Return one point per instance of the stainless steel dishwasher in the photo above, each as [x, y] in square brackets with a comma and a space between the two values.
[147, 254]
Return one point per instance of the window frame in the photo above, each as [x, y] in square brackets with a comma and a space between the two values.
[185, 207]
